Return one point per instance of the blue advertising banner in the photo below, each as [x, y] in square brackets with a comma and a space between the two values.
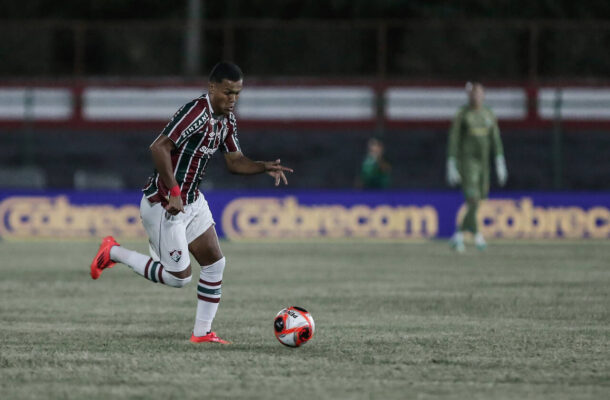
[279, 214]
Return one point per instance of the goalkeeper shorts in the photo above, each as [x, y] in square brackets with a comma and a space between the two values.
[475, 180]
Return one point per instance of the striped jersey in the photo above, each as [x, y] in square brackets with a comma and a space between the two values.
[197, 134]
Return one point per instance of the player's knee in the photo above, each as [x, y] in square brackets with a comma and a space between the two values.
[185, 272]
[178, 282]
[179, 279]
[216, 268]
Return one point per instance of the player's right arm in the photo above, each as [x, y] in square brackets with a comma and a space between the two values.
[453, 175]
[173, 135]
[161, 150]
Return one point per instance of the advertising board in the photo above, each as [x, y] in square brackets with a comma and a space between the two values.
[314, 214]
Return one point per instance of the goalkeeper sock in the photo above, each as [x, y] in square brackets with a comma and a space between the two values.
[479, 240]
[458, 237]
[208, 296]
[146, 267]
[469, 223]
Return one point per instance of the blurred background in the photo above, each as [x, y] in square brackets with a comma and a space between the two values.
[86, 86]
[76, 77]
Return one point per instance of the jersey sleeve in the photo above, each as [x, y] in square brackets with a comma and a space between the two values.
[186, 121]
[231, 143]
[496, 141]
[455, 134]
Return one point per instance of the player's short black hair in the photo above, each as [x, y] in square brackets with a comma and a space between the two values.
[226, 70]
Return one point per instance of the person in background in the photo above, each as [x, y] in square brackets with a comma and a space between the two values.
[375, 172]
[473, 134]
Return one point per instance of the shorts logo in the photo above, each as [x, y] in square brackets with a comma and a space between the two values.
[175, 255]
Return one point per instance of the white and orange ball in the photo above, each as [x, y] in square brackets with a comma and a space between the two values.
[293, 326]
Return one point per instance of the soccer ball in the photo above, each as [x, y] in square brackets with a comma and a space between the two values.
[293, 326]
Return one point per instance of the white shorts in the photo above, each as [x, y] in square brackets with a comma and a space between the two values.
[169, 235]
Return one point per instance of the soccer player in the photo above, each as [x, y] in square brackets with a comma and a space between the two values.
[375, 171]
[174, 212]
[473, 133]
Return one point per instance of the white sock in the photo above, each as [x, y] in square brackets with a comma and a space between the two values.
[479, 239]
[146, 267]
[458, 237]
[208, 296]
[132, 259]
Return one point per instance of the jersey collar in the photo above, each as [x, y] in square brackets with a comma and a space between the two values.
[214, 115]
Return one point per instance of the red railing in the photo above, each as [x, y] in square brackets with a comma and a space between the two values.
[526, 108]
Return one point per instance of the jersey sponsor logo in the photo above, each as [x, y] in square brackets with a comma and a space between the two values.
[207, 150]
[478, 125]
[175, 255]
[211, 147]
[197, 124]
[213, 139]
[479, 131]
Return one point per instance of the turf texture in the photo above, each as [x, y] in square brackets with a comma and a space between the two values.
[393, 321]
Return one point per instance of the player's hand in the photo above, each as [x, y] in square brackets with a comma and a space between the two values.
[276, 171]
[174, 205]
[501, 170]
[453, 175]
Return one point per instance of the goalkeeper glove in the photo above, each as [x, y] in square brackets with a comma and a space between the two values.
[453, 175]
[501, 171]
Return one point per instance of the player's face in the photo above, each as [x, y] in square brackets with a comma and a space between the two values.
[477, 94]
[224, 95]
[375, 148]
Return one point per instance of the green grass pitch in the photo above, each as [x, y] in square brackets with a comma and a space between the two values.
[394, 321]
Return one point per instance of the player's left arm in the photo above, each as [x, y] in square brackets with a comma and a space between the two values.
[500, 161]
[238, 163]
[495, 137]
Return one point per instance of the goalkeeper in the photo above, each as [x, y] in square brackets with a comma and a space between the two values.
[474, 132]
